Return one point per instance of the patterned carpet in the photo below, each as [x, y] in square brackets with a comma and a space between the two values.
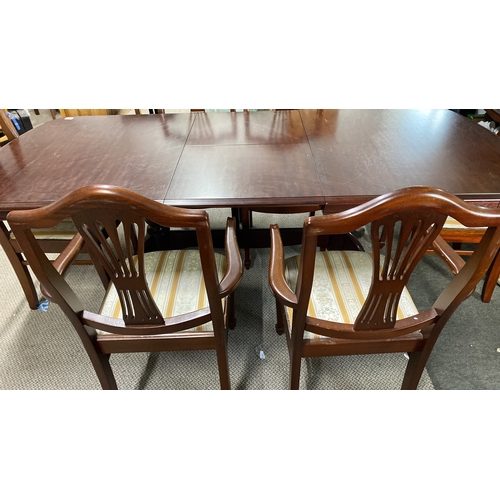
[40, 350]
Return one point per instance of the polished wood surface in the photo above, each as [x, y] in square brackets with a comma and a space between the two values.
[241, 175]
[218, 129]
[360, 154]
[332, 158]
[50, 161]
[246, 159]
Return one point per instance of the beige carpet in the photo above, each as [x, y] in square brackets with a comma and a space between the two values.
[40, 350]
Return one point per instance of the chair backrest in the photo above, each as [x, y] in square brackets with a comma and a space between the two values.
[403, 225]
[112, 222]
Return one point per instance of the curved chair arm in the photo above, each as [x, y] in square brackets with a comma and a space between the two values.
[277, 282]
[234, 262]
[65, 259]
[68, 255]
[446, 252]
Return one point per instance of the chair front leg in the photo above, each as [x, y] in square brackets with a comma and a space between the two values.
[414, 369]
[295, 351]
[231, 317]
[222, 362]
[280, 311]
[295, 364]
[103, 371]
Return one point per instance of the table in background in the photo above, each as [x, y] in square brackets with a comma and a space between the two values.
[259, 160]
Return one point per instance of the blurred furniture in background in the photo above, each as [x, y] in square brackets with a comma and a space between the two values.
[84, 112]
[450, 247]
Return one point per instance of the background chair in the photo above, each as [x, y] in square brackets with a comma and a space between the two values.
[341, 303]
[450, 247]
[160, 301]
[7, 127]
[65, 113]
[63, 241]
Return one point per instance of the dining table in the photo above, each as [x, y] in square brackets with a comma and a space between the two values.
[274, 160]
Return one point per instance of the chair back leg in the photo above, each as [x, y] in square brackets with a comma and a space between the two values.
[295, 363]
[491, 280]
[22, 271]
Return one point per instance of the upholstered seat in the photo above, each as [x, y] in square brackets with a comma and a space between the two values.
[65, 230]
[341, 284]
[452, 224]
[175, 279]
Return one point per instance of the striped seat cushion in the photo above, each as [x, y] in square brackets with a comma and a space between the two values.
[176, 283]
[452, 223]
[341, 283]
[65, 230]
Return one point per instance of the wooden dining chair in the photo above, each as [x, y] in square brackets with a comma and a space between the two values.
[62, 243]
[336, 303]
[158, 301]
[245, 218]
[457, 241]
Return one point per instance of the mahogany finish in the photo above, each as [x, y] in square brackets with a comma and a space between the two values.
[245, 176]
[419, 214]
[360, 154]
[449, 247]
[283, 161]
[50, 161]
[96, 211]
[224, 129]
[337, 158]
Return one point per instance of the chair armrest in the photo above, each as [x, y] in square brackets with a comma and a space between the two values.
[69, 254]
[65, 259]
[277, 282]
[449, 256]
[234, 262]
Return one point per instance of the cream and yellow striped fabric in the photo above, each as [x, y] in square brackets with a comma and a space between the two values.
[65, 230]
[175, 279]
[452, 223]
[341, 283]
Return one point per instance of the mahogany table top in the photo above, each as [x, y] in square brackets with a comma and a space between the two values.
[334, 158]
